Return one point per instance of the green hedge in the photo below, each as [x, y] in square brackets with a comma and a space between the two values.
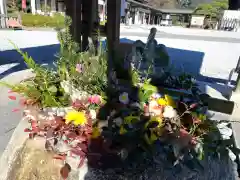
[30, 20]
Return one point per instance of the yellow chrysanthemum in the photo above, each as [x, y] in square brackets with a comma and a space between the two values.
[95, 132]
[166, 101]
[162, 101]
[77, 118]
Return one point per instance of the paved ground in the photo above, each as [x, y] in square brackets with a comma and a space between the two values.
[205, 56]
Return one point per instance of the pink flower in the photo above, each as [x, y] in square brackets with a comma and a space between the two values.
[10, 91]
[95, 99]
[79, 68]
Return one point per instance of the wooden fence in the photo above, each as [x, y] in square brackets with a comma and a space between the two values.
[230, 24]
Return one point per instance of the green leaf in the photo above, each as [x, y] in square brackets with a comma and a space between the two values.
[141, 96]
[147, 95]
[52, 89]
[149, 87]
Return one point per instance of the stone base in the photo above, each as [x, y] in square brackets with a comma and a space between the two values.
[160, 168]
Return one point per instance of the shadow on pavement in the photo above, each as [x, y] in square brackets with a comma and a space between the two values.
[43, 55]
[182, 60]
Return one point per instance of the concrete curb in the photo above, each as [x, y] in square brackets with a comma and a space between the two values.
[12, 150]
[235, 118]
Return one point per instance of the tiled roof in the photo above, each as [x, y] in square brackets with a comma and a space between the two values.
[170, 11]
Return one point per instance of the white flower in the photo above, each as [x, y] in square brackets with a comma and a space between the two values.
[193, 80]
[154, 109]
[93, 114]
[118, 121]
[61, 113]
[66, 86]
[169, 112]
[123, 98]
[156, 95]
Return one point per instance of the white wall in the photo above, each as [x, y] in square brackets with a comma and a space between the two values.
[3, 10]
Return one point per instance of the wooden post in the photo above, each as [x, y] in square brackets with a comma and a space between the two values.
[113, 25]
[233, 4]
[113, 32]
[89, 18]
[74, 10]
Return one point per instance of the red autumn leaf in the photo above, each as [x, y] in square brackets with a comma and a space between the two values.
[89, 123]
[193, 141]
[60, 157]
[49, 133]
[27, 130]
[65, 141]
[12, 97]
[30, 135]
[183, 133]
[34, 124]
[81, 138]
[182, 107]
[78, 104]
[71, 135]
[81, 162]
[78, 152]
[58, 120]
[22, 102]
[16, 110]
[65, 170]
[82, 146]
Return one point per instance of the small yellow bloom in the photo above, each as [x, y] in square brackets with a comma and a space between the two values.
[162, 102]
[122, 130]
[77, 118]
[95, 132]
[170, 101]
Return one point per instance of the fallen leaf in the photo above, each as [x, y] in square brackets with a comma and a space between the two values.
[81, 162]
[12, 97]
[16, 110]
[65, 170]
